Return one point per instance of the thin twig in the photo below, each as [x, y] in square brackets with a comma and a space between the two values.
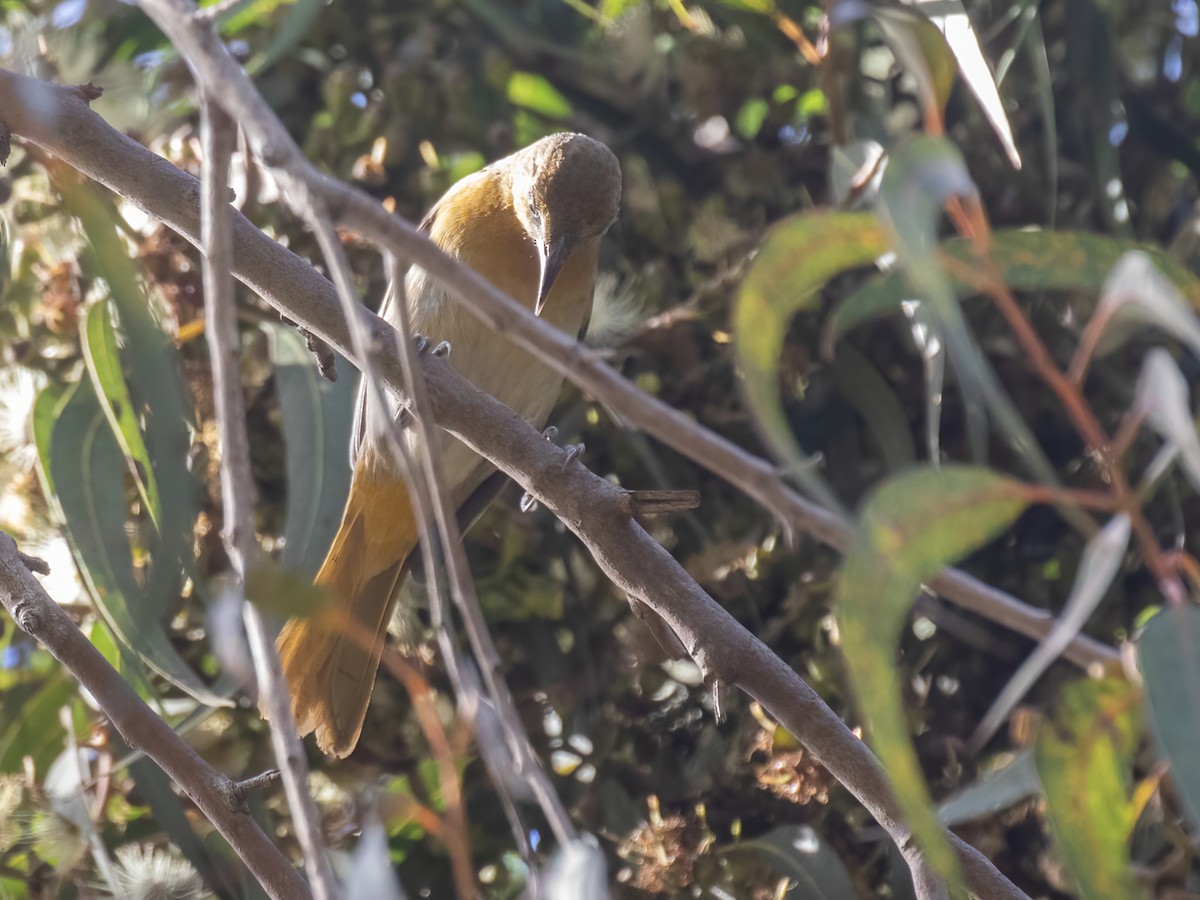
[213, 793]
[636, 564]
[237, 485]
[1085, 422]
[428, 508]
[86, 142]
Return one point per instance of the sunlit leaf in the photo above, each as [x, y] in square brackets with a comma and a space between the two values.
[86, 470]
[1163, 397]
[36, 732]
[536, 94]
[799, 257]
[910, 528]
[104, 366]
[1168, 654]
[922, 175]
[155, 382]
[951, 17]
[1101, 560]
[1084, 754]
[1137, 293]
[1028, 261]
[317, 416]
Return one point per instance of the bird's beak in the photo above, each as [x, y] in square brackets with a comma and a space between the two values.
[553, 258]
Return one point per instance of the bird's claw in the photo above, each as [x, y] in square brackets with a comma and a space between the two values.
[442, 349]
[527, 502]
[422, 343]
[574, 451]
[550, 432]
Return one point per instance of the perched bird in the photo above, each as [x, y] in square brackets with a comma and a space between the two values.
[532, 225]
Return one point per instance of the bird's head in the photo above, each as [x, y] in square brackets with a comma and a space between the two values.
[566, 193]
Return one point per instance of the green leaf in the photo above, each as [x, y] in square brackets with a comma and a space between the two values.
[922, 174]
[36, 731]
[994, 791]
[909, 529]
[536, 94]
[1168, 653]
[1084, 756]
[86, 471]
[284, 593]
[155, 383]
[799, 257]
[287, 35]
[317, 416]
[104, 366]
[1028, 260]
[812, 867]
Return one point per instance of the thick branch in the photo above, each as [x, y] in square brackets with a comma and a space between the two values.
[60, 122]
[593, 508]
[216, 796]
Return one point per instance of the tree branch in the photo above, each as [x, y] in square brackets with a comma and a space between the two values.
[216, 795]
[593, 508]
[238, 491]
[57, 120]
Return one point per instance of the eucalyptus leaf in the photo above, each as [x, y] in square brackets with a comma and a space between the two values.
[86, 471]
[799, 257]
[1028, 260]
[317, 416]
[909, 529]
[1162, 396]
[1084, 756]
[923, 174]
[813, 868]
[1168, 654]
[104, 365]
[1101, 560]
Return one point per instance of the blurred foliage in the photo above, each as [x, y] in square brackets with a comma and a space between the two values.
[724, 128]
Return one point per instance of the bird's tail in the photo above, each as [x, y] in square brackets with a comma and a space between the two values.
[330, 658]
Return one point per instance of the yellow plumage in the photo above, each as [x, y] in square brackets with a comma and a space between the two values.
[532, 225]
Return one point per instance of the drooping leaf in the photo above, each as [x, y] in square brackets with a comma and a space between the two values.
[919, 46]
[909, 529]
[799, 257]
[1084, 754]
[155, 382]
[1164, 399]
[861, 383]
[1136, 292]
[1028, 261]
[1102, 559]
[36, 732]
[1168, 654]
[317, 416]
[922, 175]
[951, 17]
[104, 365]
[86, 471]
[1012, 781]
[811, 865]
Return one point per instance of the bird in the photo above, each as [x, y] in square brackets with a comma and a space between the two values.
[532, 224]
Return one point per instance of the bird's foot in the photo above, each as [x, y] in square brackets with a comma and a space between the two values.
[574, 451]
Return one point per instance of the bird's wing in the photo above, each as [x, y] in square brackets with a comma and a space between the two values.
[358, 433]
